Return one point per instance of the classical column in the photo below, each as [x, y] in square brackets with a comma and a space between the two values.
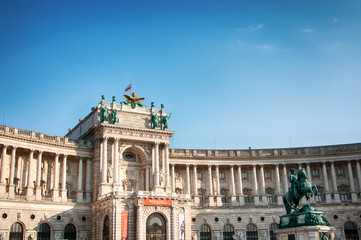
[188, 186]
[195, 187]
[263, 186]
[156, 169]
[29, 186]
[334, 183]
[278, 186]
[2, 173]
[105, 161]
[147, 173]
[38, 177]
[55, 196]
[116, 161]
[63, 180]
[12, 174]
[173, 179]
[309, 176]
[240, 186]
[352, 183]
[358, 174]
[174, 222]
[88, 178]
[233, 187]
[167, 182]
[210, 186]
[255, 185]
[285, 179]
[325, 183]
[80, 181]
[140, 230]
[162, 183]
[218, 193]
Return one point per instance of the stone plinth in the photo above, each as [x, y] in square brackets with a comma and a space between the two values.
[306, 233]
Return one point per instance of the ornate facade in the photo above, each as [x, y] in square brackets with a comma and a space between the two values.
[113, 176]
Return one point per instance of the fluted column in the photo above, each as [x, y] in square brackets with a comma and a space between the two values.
[173, 179]
[55, 195]
[2, 173]
[278, 185]
[233, 187]
[12, 174]
[336, 195]
[255, 185]
[285, 179]
[156, 180]
[116, 161]
[210, 186]
[63, 180]
[188, 187]
[105, 160]
[352, 183]
[240, 186]
[195, 187]
[29, 185]
[167, 178]
[88, 178]
[325, 183]
[80, 181]
[358, 174]
[38, 177]
[218, 195]
[309, 176]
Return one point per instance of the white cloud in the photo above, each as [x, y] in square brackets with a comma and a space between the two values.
[335, 19]
[266, 47]
[307, 30]
[252, 27]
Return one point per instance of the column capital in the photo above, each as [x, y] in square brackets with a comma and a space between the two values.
[261, 165]
[105, 138]
[31, 150]
[166, 144]
[231, 166]
[57, 154]
[40, 151]
[5, 145]
[14, 147]
[65, 155]
[156, 143]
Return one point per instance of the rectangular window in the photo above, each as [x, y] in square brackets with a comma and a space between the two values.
[176, 174]
[221, 175]
[315, 173]
[340, 172]
[267, 175]
[199, 175]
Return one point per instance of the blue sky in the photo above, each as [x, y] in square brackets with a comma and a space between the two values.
[234, 74]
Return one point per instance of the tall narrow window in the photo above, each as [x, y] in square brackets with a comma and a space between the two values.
[251, 232]
[44, 232]
[16, 232]
[205, 232]
[106, 228]
[70, 232]
[351, 231]
[228, 232]
[272, 229]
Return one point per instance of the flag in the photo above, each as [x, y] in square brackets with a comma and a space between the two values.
[129, 87]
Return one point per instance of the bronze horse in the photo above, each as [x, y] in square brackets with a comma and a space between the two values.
[300, 187]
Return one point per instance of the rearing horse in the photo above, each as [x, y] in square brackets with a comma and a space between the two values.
[300, 188]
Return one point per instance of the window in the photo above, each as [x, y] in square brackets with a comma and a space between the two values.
[106, 228]
[340, 172]
[129, 156]
[267, 175]
[350, 231]
[228, 232]
[244, 175]
[199, 175]
[16, 232]
[156, 226]
[315, 173]
[251, 232]
[221, 175]
[176, 174]
[273, 228]
[70, 232]
[205, 233]
[44, 232]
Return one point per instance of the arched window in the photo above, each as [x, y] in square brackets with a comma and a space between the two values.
[70, 232]
[106, 228]
[351, 231]
[44, 232]
[156, 227]
[272, 229]
[251, 232]
[228, 232]
[205, 233]
[16, 232]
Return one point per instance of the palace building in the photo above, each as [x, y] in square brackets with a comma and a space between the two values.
[113, 176]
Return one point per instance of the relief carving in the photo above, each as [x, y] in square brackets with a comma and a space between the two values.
[128, 184]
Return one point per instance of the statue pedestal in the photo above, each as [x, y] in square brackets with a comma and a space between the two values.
[306, 233]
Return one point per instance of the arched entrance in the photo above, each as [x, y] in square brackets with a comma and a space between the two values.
[156, 227]
[16, 231]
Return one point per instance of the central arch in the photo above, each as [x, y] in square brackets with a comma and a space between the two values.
[156, 227]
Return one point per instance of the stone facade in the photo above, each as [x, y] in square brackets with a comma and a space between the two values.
[103, 178]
